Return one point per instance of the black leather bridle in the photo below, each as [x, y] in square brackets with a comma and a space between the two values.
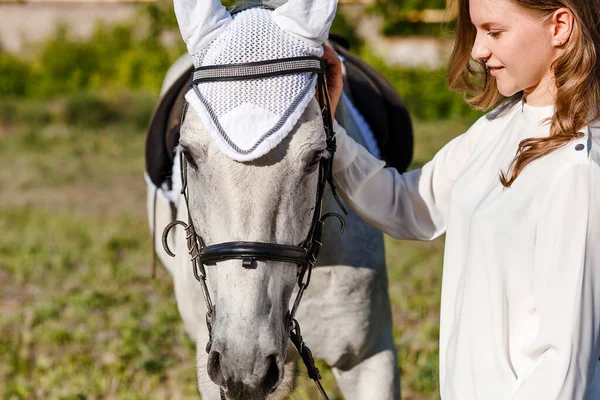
[305, 254]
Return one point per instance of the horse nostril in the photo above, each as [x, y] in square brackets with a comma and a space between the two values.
[214, 367]
[272, 376]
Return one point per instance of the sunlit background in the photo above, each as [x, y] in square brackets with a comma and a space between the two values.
[80, 315]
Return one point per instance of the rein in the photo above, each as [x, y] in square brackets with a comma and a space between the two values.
[305, 254]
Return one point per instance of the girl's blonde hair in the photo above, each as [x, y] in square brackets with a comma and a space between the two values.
[576, 73]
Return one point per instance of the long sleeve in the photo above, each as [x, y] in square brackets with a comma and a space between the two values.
[413, 205]
[566, 288]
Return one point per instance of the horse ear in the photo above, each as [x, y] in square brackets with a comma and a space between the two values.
[200, 21]
[308, 19]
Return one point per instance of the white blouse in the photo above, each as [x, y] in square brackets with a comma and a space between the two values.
[520, 305]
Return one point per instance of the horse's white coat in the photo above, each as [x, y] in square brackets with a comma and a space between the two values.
[345, 314]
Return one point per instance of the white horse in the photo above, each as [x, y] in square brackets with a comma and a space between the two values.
[345, 313]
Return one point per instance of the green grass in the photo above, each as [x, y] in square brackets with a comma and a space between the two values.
[80, 316]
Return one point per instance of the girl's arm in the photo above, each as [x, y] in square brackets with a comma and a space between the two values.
[413, 205]
[409, 206]
[567, 288]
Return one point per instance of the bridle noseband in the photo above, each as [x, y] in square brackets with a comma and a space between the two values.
[305, 254]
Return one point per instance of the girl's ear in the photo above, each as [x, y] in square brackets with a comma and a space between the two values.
[200, 21]
[562, 26]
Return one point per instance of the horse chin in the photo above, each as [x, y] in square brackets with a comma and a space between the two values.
[272, 377]
[244, 394]
[246, 366]
[240, 391]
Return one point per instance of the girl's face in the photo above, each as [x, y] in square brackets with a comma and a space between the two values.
[517, 48]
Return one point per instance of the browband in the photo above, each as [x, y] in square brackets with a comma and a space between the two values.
[260, 69]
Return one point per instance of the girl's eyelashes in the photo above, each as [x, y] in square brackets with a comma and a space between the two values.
[494, 34]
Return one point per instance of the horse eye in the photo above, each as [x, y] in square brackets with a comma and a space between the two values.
[314, 162]
[189, 158]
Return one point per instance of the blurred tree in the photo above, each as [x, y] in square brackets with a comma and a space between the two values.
[414, 17]
[14, 75]
[404, 6]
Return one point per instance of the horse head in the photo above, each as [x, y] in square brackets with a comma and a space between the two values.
[235, 196]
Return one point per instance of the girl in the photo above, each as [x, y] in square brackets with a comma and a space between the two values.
[518, 196]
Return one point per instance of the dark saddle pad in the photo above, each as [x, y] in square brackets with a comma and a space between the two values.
[372, 94]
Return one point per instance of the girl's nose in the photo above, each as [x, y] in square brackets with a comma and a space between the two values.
[480, 51]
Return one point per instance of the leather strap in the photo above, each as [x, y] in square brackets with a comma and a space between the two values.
[252, 251]
[256, 70]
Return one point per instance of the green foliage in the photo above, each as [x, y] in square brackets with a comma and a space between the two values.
[427, 95]
[8, 112]
[393, 8]
[129, 55]
[136, 107]
[402, 17]
[15, 75]
[64, 65]
[394, 27]
[34, 112]
[83, 108]
[125, 59]
[161, 16]
[117, 57]
[342, 26]
[424, 91]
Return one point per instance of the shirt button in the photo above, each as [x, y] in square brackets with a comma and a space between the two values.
[579, 147]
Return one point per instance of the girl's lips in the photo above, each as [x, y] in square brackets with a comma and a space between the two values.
[494, 71]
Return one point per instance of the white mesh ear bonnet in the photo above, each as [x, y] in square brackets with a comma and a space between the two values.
[247, 118]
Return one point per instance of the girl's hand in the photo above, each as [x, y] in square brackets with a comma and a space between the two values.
[333, 78]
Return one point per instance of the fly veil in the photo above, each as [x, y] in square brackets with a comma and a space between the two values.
[247, 118]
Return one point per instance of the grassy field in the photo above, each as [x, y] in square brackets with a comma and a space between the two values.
[80, 315]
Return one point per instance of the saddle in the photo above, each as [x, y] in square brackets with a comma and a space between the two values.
[370, 92]
[380, 105]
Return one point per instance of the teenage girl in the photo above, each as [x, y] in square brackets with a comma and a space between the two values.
[518, 197]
